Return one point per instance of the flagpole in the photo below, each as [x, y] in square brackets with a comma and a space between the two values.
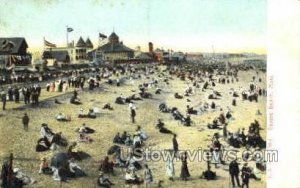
[67, 37]
[44, 44]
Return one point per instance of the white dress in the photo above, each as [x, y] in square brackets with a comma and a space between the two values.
[170, 169]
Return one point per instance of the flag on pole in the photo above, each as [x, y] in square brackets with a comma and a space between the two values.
[49, 44]
[102, 36]
[69, 29]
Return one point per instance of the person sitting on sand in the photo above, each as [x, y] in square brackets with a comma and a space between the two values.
[42, 145]
[205, 86]
[222, 118]
[235, 94]
[126, 138]
[103, 181]
[81, 113]
[208, 174]
[117, 161]
[142, 133]
[83, 137]
[46, 131]
[212, 96]
[91, 114]
[44, 167]
[117, 139]
[233, 102]
[135, 98]
[160, 125]
[213, 105]
[163, 108]
[85, 129]
[187, 120]
[177, 115]
[190, 110]
[75, 100]
[157, 91]
[107, 106]
[177, 96]
[214, 125]
[137, 141]
[21, 178]
[229, 115]
[131, 162]
[75, 169]
[106, 166]
[73, 152]
[132, 178]
[234, 141]
[56, 101]
[61, 117]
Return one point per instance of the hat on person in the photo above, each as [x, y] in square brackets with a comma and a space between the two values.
[15, 170]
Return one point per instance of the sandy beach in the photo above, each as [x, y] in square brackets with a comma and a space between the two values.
[22, 144]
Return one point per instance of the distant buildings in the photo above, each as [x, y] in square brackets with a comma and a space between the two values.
[142, 56]
[13, 52]
[70, 54]
[169, 56]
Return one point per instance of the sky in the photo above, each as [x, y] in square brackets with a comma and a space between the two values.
[185, 25]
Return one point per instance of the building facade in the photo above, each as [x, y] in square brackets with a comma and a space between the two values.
[70, 54]
[13, 52]
[114, 50]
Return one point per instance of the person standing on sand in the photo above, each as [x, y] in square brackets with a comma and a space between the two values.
[3, 98]
[132, 114]
[246, 172]
[175, 144]
[25, 121]
[148, 178]
[170, 168]
[234, 172]
[184, 168]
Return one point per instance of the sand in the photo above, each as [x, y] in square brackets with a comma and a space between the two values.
[22, 144]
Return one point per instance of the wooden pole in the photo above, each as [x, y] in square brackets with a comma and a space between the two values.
[10, 172]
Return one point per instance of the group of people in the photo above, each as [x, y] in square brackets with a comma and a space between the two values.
[137, 140]
[30, 94]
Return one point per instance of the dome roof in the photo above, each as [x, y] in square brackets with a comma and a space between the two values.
[113, 35]
[80, 43]
[113, 38]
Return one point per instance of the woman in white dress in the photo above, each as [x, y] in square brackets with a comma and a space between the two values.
[170, 168]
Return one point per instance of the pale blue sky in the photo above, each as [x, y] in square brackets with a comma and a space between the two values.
[187, 25]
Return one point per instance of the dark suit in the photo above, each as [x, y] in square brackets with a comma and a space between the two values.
[234, 172]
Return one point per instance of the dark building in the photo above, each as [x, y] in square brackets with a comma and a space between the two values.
[14, 51]
[53, 58]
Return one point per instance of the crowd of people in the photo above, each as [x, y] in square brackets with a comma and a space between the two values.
[64, 165]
